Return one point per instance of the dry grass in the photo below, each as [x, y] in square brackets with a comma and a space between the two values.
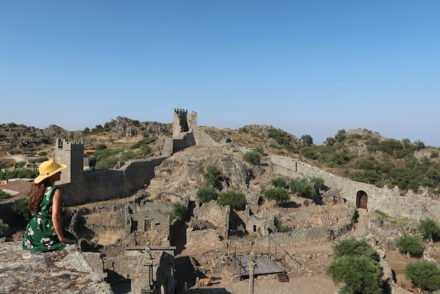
[107, 238]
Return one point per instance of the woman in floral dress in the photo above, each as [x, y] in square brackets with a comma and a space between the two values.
[44, 231]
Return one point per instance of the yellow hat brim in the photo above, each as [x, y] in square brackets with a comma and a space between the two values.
[41, 178]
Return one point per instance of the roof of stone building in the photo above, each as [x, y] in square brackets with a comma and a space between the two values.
[64, 271]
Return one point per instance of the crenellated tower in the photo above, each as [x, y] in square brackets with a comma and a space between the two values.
[72, 155]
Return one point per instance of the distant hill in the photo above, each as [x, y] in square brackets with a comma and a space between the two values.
[30, 144]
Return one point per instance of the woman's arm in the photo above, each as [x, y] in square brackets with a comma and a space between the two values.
[56, 217]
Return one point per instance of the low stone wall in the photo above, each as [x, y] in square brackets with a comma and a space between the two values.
[203, 239]
[100, 185]
[411, 205]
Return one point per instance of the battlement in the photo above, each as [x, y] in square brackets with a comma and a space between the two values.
[183, 122]
[65, 144]
[70, 153]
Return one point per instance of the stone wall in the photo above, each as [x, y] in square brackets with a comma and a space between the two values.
[214, 213]
[203, 239]
[390, 201]
[100, 185]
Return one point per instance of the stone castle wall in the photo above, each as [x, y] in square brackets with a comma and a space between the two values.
[100, 185]
[390, 201]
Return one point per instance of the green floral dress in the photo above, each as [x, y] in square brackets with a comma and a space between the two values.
[40, 234]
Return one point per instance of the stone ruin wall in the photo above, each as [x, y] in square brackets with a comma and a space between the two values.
[100, 185]
[390, 201]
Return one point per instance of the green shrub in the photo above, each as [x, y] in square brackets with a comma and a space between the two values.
[360, 274]
[307, 140]
[278, 194]
[206, 194]
[4, 195]
[424, 274]
[410, 244]
[107, 163]
[302, 187]
[260, 150]
[3, 228]
[252, 157]
[213, 177]
[101, 147]
[318, 183]
[434, 154]
[20, 164]
[128, 155]
[429, 229]
[20, 207]
[280, 182]
[178, 212]
[18, 173]
[235, 199]
[144, 141]
[353, 247]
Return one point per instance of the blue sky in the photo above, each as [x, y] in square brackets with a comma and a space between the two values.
[309, 67]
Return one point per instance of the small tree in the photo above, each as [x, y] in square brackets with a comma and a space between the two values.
[359, 273]
[206, 194]
[213, 177]
[303, 187]
[252, 157]
[430, 229]
[278, 194]
[178, 212]
[235, 199]
[307, 140]
[409, 244]
[280, 182]
[424, 274]
[353, 247]
[318, 183]
[101, 147]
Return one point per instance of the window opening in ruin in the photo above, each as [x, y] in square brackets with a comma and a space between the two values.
[362, 200]
[60, 144]
[255, 228]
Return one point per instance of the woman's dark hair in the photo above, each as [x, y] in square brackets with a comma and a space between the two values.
[36, 195]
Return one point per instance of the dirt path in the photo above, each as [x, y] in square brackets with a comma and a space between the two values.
[319, 284]
[398, 263]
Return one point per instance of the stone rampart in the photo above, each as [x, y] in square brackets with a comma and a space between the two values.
[390, 201]
[100, 185]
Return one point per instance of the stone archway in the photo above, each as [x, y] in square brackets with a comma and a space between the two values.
[361, 200]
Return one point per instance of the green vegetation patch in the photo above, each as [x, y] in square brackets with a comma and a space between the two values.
[356, 265]
[410, 244]
[236, 199]
[280, 195]
[424, 275]
[178, 212]
[206, 194]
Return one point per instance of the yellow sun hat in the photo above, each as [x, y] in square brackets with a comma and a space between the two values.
[48, 168]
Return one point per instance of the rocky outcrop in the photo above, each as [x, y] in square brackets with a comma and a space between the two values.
[65, 271]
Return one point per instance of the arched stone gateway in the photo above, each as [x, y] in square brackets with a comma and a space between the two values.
[361, 200]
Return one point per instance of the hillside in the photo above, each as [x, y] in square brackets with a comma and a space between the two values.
[360, 154]
[26, 146]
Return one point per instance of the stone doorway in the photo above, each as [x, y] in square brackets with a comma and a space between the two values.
[361, 200]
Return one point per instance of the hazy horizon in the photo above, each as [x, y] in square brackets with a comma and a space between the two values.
[307, 67]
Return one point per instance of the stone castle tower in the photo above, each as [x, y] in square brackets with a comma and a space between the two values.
[183, 122]
[72, 155]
